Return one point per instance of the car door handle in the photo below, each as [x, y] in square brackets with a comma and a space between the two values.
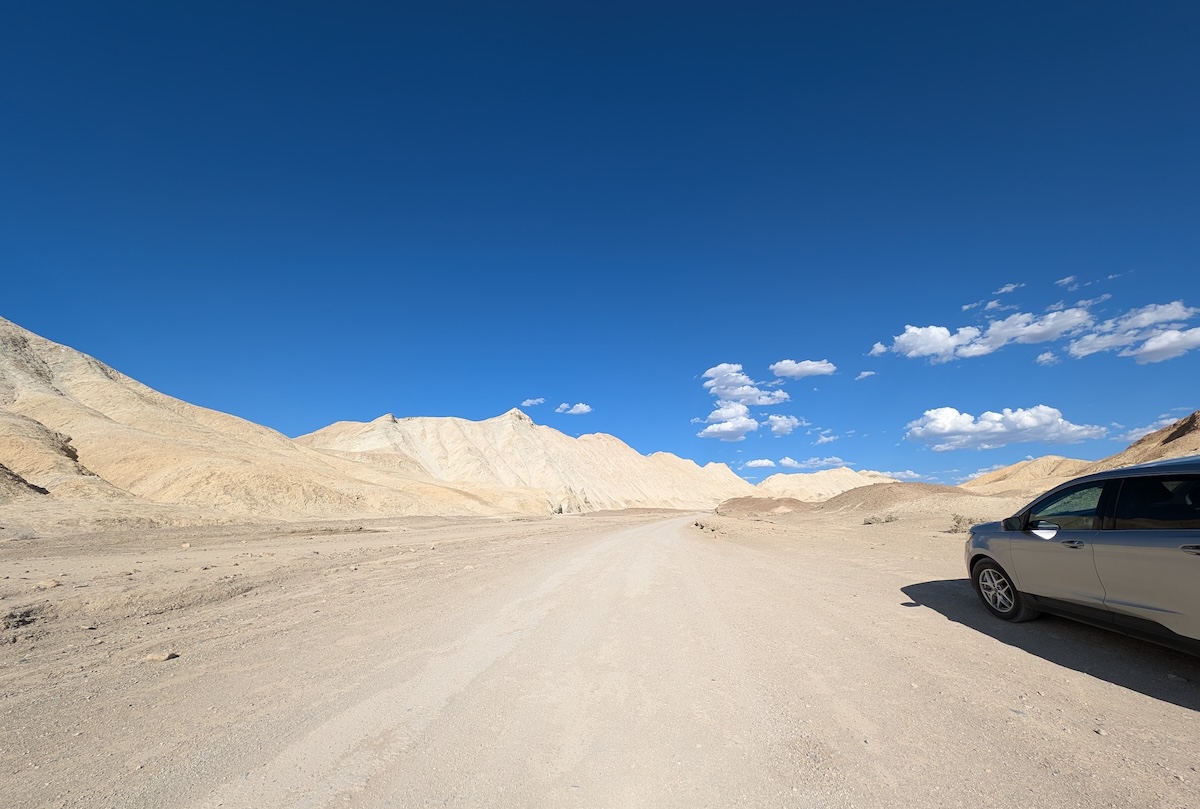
[1194, 550]
[1072, 543]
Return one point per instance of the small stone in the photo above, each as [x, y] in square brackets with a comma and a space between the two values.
[186, 545]
[1101, 732]
[160, 657]
[47, 584]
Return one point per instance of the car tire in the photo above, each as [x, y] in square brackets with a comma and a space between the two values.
[996, 590]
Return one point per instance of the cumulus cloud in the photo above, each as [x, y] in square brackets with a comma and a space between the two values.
[1047, 358]
[864, 375]
[784, 425]
[1165, 345]
[944, 428]
[760, 463]
[1148, 334]
[907, 474]
[736, 392]
[813, 463]
[798, 370]
[728, 382]
[935, 342]
[573, 410]
[734, 429]
[532, 402]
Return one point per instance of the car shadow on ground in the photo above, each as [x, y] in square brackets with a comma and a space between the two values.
[1152, 670]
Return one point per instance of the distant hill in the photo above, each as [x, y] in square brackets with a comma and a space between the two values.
[1032, 477]
[73, 430]
[589, 473]
[1020, 478]
[813, 487]
[1173, 441]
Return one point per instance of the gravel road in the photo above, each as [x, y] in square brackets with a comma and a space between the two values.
[607, 661]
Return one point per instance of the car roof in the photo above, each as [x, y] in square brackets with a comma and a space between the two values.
[1190, 463]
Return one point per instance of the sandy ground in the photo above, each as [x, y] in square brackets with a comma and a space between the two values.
[612, 660]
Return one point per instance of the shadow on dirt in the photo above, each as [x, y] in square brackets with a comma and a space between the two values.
[1155, 671]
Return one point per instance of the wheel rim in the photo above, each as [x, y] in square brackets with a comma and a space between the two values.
[996, 590]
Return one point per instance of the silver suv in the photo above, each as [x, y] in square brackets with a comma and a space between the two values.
[1119, 549]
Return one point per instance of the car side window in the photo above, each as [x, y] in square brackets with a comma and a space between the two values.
[1073, 509]
[1158, 503]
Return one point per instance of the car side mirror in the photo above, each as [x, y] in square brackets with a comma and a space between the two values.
[1011, 523]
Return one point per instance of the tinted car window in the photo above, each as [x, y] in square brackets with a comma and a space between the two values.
[1158, 503]
[1073, 509]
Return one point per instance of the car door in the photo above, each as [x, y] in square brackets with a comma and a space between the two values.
[1149, 562]
[1052, 557]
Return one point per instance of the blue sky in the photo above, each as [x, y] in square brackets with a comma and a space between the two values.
[789, 234]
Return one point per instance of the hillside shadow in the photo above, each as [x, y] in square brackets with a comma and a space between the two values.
[1155, 671]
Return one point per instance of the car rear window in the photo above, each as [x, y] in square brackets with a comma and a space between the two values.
[1158, 503]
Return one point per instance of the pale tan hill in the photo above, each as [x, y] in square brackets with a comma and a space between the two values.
[1173, 441]
[1027, 478]
[814, 487]
[762, 506]
[921, 499]
[79, 428]
[589, 473]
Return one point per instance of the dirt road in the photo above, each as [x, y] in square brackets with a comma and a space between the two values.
[607, 661]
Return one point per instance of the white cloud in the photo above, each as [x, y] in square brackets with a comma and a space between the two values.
[1007, 288]
[798, 370]
[1156, 327]
[1027, 328]
[734, 429]
[966, 307]
[826, 438]
[761, 463]
[941, 345]
[1165, 345]
[728, 411]
[728, 382]
[813, 463]
[991, 305]
[907, 474]
[1047, 358]
[1068, 282]
[877, 350]
[735, 392]
[864, 375]
[532, 402]
[947, 429]
[573, 410]
[935, 342]
[783, 425]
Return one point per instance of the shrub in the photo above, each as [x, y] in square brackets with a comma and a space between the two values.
[960, 523]
[875, 519]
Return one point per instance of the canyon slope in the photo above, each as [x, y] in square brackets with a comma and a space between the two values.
[76, 432]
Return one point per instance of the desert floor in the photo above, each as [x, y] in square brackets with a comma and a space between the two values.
[623, 660]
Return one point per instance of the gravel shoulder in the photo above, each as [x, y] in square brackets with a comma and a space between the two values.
[623, 659]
